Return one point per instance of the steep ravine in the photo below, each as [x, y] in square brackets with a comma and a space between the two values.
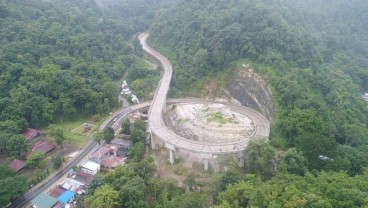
[251, 90]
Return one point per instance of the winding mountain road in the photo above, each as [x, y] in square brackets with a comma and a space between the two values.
[158, 128]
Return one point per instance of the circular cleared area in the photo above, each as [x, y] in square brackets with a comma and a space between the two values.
[210, 123]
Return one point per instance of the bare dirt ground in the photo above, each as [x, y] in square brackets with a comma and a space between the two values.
[179, 171]
[214, 123]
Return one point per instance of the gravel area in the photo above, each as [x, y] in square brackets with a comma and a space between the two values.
[214, 123]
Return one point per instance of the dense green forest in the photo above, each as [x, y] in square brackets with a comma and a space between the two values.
[59, 59]
[312, 53]
[62, 59]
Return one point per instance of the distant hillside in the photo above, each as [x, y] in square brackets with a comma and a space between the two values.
[59, 59]
[314, 55]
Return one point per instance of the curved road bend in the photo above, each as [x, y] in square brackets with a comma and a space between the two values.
[156, 125]
[158, 128]
[120, 115]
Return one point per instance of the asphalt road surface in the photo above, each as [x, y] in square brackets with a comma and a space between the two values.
[47, 183]
[159, 129]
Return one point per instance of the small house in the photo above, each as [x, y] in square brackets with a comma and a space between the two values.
[112, 162]
[30, 134]
[135, 99]
[43, 146]
[67, 197]
[56, 191]
[73, 185]
[100, 154]
[44, 200]
[82, 177]
[121, 145]
[124, 84]
[126, 90]
[17, 165]
[365, 96]
[91, 167]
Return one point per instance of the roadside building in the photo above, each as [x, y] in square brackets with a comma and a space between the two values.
[91, 167]
[124, 84]
[56, 191]
[135, 99]
[44, 200]
[126, 90]
[122, 146]
[112, 162]
[100, 154]
[365, 96]
[31, 134]
[67, 197]
[17, 165]
[73, 185]
[43, 146]
[134, 116]
[121, 143]
[82, 177]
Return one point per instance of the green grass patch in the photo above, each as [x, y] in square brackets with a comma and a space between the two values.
[182, 121]
[205, 110]
[216, 117]
[200, 87]
[74, 131]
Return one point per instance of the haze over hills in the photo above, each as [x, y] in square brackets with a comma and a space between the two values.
[313, 54]
[59, 59]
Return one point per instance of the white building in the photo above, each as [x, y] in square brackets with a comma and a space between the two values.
[91, 167]
[126, 91]
[135, 99]
[124, 84]
[365, 96]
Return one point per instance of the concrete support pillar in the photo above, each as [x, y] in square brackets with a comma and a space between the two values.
[150, 139]
[164, 109]
[172, 153]
[205, 165]
[240, 156]
[177, 154]
[241, 161]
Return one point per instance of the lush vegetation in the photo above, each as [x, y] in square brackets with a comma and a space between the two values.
[272, 181]
[312, 53]
[59, 59]
[135, 186]
[11, 185]
[285, 190]
[63, 59]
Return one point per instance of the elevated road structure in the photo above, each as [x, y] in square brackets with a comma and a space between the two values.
[163, 136]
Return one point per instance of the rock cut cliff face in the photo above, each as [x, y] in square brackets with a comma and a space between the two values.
[251, 90]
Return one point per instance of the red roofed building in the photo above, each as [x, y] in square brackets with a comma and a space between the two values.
[56, 191]
[82, 177]
[44, 147]
[100, 154]
[30, 134]
[113, 161]
[17, 165]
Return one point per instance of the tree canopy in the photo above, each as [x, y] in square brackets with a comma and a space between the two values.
[11, 185]
[313, 60]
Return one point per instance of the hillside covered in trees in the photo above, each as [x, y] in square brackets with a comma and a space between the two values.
[62, 59]
[59, 59]
[312, 53]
